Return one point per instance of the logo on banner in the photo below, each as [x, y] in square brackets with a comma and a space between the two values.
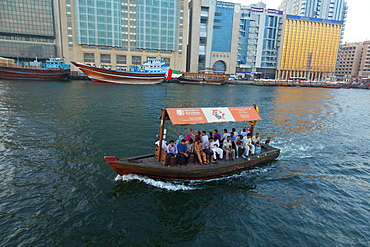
[218, 114]
[180, 112]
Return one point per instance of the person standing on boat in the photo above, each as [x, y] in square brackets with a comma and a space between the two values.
[226, 134]
[217, 135]
[201, 155]
[248, 146]
[244, 131]
[228, 148]
[215, 146]
[171, 152]
[182, 154]
[257, 143]
[196, 136]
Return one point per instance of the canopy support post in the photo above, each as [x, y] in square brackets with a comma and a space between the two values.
[253, 123]
[161, 133]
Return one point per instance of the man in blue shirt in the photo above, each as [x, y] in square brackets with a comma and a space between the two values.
[182, 154]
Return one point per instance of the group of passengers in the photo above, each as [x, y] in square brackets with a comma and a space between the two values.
[206, 148]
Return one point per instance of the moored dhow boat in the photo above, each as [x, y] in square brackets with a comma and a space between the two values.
[53, 69]
[152, 72]
[204, 78]
[155, 165]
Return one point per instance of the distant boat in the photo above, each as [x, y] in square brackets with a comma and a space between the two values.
[152, 71]
[204, 78]
[53, 69]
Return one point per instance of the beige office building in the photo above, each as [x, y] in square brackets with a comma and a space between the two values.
[364, 71]
[116, 34]
[354, 61]
[213, 39]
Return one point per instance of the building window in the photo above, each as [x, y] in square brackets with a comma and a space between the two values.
[121, 59]
[88, 57]
[136, 59]
[167, 61]
[105, 58]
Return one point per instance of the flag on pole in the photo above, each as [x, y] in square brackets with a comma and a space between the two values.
[169, 74]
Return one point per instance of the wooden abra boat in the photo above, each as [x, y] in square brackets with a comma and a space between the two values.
[155, 165]
[153, 72]
[53, 69]
[204, 78]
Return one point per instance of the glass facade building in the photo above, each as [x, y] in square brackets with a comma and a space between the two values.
[258, 38]
[98, 22]
[27, 29]
[157, 24]
[309, 48]
[223, 27]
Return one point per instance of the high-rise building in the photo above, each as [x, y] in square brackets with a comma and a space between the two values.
[258, 37]
[213, 28]
[309, 47]
[28, 29]
[116, 33]
[325, 9]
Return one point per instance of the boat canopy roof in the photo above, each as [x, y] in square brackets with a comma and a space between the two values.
[212, 115]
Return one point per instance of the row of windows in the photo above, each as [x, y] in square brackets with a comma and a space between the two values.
[22, 38]
[120, 59]
[27, 50]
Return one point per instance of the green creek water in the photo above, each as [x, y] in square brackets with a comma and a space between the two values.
[56, 189]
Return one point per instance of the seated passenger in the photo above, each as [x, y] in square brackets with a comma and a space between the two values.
[201, 155]
[182, 154]
[247, 145]
[207, 149]
[164, 144]
[233, 138]
[171, 152]
[215, 146]
[190, 146]
[238, 144]
[257, 143]
[228, 148]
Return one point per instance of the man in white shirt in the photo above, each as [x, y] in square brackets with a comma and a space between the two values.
[215, 146]
[248, 146]
[226, 134]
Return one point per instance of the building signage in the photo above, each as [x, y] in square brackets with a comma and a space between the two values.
[225, 5]
[257, 9]
[274, 11]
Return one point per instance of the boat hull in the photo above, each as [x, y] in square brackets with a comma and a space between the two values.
[201, 82]
[203, 78]
[119, 77]
[32, 74]
[148, 166]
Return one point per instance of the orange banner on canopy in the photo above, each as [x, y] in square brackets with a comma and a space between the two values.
[212, 115]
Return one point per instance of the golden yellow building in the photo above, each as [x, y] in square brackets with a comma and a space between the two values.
[309, 48]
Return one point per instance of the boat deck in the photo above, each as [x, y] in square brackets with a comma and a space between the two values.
[148, 165]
